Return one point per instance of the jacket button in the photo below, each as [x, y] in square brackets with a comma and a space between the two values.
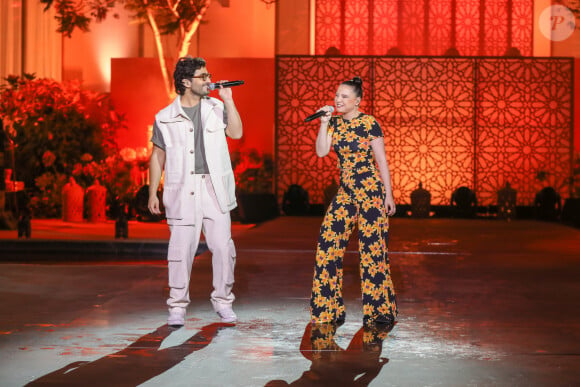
[191, 129]
[203, 176]
[191, 172]
[191, 193]
[191, 151]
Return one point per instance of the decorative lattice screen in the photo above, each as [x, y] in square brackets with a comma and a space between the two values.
[424, 27]
[448, 122]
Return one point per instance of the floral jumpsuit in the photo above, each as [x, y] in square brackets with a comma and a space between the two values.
[359, 200]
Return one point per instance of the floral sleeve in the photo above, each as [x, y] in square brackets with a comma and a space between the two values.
[374, 128]
[332, 124]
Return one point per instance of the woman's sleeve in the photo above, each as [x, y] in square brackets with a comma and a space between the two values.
[375, 130]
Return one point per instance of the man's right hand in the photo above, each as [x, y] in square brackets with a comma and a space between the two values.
[153, 205]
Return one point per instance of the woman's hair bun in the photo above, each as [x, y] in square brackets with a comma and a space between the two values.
[356, 83]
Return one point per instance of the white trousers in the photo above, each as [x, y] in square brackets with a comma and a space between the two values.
[183, 243]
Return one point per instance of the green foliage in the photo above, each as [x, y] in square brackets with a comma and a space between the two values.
[165, 17]
[70, 15]
[47, 202]
[170, 15]
[53, 125]
[121, 173]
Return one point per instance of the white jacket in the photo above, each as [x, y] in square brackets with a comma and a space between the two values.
[178, 135]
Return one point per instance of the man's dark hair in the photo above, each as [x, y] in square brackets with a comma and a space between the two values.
[185, 69]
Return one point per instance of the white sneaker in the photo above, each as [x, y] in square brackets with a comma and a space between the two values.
[227, 315]
[176, 316]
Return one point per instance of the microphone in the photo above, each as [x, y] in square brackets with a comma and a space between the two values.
[318, 114]
[213, 86]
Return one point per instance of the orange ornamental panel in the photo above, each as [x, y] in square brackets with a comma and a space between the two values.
[524, 126]
[447, 122]
[423, 27]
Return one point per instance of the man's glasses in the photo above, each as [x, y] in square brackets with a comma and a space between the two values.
[204, 76]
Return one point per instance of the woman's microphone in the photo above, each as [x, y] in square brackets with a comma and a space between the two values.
[213, 86]
[319, 113]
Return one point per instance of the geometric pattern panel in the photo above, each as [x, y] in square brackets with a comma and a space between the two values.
[440, 34]
[495, 25]
[384, 28]
[329, 13]
[412, 28]
[522, 19]
[467, 27]
[424, 27]
[426, 107]
[524, 126]
[356, 34]
[447, 122]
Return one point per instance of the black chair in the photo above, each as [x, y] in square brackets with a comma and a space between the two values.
[548, 204]
[296, 201]
[464, 203]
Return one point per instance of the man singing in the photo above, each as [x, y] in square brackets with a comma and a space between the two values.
[189, 142]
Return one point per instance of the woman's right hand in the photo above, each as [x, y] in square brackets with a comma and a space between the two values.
[325, 118]
[324, 138]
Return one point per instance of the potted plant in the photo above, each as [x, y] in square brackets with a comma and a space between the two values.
[254, 173]
[52, 126]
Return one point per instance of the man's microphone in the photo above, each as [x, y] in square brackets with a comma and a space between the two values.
[318, 114]
[213, 86]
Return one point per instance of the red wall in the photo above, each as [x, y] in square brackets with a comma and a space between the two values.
[137, 91]
[577, 104]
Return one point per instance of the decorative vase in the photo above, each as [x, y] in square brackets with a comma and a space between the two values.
[96, 203]
[72, 201]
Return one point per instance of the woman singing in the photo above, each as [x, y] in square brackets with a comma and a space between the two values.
[364, 198]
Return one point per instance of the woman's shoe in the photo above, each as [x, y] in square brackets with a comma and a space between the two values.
[381, 321]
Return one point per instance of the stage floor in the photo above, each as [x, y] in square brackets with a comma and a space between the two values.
[481, 302]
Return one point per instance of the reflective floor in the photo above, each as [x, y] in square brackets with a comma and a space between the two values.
[481, 302]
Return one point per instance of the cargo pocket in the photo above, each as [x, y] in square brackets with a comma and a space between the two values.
[177, 270]
[232, 256]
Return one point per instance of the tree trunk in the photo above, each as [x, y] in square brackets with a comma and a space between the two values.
[161, 54]
[190, 30]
